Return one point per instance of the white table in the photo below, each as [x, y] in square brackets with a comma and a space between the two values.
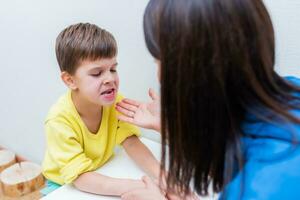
[120, 166]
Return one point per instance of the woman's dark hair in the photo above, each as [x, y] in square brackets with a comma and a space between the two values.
[217, 61]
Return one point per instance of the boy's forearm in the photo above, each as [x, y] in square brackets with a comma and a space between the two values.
[142, 156]
[96, 183]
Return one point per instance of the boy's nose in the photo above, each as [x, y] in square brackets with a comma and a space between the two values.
[108, 79]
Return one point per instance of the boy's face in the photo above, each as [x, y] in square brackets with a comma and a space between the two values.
[97, 81]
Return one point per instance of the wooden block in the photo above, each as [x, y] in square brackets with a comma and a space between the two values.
[32, 196]
[21, 179]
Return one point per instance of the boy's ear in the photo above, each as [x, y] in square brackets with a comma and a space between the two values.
[68, 79]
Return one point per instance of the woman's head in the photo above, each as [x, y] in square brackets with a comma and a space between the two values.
[231, 35]
[217, 60]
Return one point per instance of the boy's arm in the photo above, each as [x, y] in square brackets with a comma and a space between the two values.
[142, 156]
[76, 167]
[96, 183]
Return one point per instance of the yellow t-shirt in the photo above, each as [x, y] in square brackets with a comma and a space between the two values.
[72, 149]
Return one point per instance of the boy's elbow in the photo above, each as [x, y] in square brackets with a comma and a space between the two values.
[82, 182]
[79, 183]
[130, 141]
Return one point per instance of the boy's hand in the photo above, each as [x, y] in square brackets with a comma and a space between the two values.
[151, 192]
[146, 115]
[173, 195]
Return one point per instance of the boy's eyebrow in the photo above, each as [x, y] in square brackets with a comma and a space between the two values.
[114, 65]
[102, 67]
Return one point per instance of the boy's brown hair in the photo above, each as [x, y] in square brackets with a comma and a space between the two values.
[83, 41]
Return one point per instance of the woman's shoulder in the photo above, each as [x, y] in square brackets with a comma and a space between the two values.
[293, 80]
[265, 122]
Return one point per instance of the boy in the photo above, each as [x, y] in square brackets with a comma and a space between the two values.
[82, 127]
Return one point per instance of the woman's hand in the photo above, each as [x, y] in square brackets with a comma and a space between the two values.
[146, 115]
[151, 191]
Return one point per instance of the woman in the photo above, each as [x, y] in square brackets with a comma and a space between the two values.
[227, 117]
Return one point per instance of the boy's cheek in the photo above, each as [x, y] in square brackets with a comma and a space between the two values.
[117, 82]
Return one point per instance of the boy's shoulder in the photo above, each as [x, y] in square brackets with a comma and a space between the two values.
[62, 108]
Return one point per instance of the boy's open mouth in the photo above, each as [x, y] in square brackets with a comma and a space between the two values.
[109, 91]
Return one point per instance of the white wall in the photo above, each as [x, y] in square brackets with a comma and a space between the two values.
[286, 20]
[30, 82]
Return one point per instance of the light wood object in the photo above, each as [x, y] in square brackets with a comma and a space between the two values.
[31, 196]
[21, 179]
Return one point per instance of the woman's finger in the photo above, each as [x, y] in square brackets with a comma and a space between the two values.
[127, 106]
[153, 94]
[132, 102]
[126, 119]
[124, 111]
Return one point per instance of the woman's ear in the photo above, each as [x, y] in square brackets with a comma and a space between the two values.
[68, 79]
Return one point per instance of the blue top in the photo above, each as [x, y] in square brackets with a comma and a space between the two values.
[272, 161]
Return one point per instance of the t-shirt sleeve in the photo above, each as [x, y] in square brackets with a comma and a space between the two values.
[125, 130]
[65, 149]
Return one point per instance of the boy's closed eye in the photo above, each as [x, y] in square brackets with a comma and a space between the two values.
[113, 70]
[96, 73]
[100, 72]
